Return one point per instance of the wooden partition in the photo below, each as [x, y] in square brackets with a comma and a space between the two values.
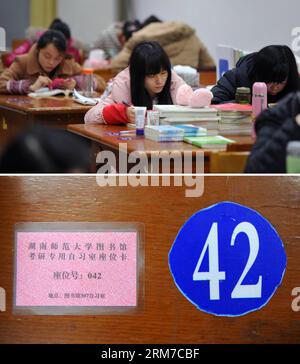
[167, 316]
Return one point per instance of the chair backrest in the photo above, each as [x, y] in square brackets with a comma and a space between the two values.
[4, 56]
[106, 73]
[228, 162]
[207, 78]
[17, 43]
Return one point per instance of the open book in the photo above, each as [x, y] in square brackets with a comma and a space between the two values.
[46, 92]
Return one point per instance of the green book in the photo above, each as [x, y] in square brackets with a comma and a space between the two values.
[209, 142]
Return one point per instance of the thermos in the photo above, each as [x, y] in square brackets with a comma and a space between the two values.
[259, 98]
[259, 101]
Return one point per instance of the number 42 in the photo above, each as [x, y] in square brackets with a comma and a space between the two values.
[214, 276]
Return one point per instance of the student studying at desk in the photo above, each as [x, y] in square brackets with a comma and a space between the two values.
[45, 66]
[275, 65]
[148, 80]
[36, 33]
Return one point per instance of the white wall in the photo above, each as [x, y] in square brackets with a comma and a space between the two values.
[87, 18]
[248, 25]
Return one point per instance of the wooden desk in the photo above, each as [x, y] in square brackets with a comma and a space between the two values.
[19, 112]
[167, 316]
[102, 141]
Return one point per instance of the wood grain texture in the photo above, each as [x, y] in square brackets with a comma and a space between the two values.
[102, 140]
[167, 316]
[20, 112]
[48, 105]
[99, 133]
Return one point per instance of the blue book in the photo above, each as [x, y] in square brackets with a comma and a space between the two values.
[192, 131]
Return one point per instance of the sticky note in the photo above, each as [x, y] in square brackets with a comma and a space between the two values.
[76, 269]
[2, 300]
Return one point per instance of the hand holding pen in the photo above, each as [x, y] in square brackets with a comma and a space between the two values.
[130, 112]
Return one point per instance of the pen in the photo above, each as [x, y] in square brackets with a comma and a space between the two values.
[125, 103]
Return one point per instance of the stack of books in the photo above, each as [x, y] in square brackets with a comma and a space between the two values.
[164, 133]
[217, 142]
[205, 117]
[236, 119]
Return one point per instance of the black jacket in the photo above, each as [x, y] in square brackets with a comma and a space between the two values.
[240, 76]
[274, 129]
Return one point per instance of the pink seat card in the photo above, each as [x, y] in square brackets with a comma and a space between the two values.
[77, 268]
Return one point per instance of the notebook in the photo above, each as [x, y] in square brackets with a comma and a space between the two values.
[209, 142]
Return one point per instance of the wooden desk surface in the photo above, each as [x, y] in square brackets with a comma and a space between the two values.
[167, 316]
[49, 105]
[98, 133]
[19, 112]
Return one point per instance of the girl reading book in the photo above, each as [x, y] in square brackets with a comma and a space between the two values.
[148, 80]
[45, 65]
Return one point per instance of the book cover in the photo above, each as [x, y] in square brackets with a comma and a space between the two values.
[231, 107]
[214, 142]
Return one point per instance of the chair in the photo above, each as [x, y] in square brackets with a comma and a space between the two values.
[4, 56]
[207, 78]
[17, 43]
[228, 162]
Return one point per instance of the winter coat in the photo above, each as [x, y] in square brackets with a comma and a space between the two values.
[177, 39]
[275, 128]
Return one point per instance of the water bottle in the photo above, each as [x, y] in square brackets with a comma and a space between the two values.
[293, 157]
[259, 101]
[88, 89]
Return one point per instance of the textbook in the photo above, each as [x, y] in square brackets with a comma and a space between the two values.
[236, 119]
[191, 130]
[211, 124]
[46, 92]
[209, 142]
[205, 117]
[232, 108]
[164, 133]
[169, 111]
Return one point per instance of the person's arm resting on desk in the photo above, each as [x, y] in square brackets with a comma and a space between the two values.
[112, 110]
[11, 82]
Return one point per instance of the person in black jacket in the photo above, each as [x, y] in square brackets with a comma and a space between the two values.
[275, 65]
[275, 128]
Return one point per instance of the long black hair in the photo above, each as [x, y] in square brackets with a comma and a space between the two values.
[276, 63]
[58, 24]
[148, 58]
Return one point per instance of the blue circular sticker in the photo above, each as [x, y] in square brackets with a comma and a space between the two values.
[228, 260]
